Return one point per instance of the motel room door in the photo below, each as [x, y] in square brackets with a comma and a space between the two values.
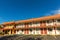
[43, 31]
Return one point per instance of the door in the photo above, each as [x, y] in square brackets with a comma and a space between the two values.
[45, 30]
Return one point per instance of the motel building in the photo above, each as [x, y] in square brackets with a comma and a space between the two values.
[47, 25]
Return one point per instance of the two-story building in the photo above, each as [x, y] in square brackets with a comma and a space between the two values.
[47, 25]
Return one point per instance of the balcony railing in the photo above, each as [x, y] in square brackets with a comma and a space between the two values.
[49, 24]
[19, 32]
[58, 23]
[20, 26]
[35, 32]
[34, 25]
[8, 27]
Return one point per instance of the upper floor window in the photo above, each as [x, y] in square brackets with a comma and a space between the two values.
[58, 20]
[49, 23]
[43, 21]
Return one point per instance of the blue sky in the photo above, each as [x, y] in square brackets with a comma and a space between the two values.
[13, 10]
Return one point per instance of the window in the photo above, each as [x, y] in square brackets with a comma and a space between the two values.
[50, 29]
[45, 28]
[58, 20]
[41, 28]
[37, 29]
[22, 30]
[44, 21]
[58, 28]
[31, 30]
[49, 21]
[17, 30]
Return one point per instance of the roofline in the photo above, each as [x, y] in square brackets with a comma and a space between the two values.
[56, 16]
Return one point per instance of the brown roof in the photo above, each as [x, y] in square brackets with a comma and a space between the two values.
[6, 23]
[57, 16]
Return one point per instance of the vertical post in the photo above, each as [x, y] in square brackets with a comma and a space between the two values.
[27, 28]
[55, 30]
[27, 31]
[42, 31]
[14, 28]
[47, 31]
[9, 31]
[54, 24]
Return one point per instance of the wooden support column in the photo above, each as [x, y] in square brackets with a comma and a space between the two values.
[27, 31]
[24, 31]
[13, 32]
[41, 30]
[14, 28]
[9, 31]
[45, 30]
[55, 29]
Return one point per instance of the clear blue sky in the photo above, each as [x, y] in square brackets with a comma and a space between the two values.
[25, 9]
